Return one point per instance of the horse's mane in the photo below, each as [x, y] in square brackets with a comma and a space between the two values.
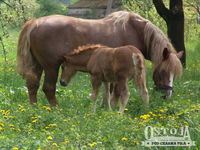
[155, 42]
[119, 17]
[85, 48]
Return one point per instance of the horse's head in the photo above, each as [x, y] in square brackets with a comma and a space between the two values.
[169, 68]
[67, 74]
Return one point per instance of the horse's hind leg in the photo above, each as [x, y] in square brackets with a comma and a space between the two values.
[33, 83]
[49, 86]
[96, 83]
[106, 95]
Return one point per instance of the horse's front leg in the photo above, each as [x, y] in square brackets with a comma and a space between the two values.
[106, 95]
[49, 86]
[96, 83]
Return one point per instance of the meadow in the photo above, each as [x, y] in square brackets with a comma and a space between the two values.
[75, 126]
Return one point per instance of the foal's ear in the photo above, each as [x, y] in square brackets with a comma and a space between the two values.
[180, 54]
[165, 53]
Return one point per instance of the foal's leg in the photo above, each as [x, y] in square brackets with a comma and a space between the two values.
[49, 86]
[33, 83]
[106, 95]
[144, 93]
[116, 95]
[96, 83]
[124, 95]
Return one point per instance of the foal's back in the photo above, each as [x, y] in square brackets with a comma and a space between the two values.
[111, 63]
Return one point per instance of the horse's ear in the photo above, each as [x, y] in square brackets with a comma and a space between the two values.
[165, 53]
[65, 58]
[180, 54]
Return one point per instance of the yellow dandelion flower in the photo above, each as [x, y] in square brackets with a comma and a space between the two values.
[150, 113]
[88, 114]
[49, 138]
[165, 109]
[34, 121]
[73, 125]
[136, 142]
[11, 125]
[22, 110]
[66, 141]
[1, 124]
[119, 112]
[154, 115]
[124, 139]
[161, 110]
[65, 120]
[39, 149]
[135, 118]
[126, 109]
[2, 110]
[1, 128]
[52, 125]
[178, 95]
[10, 117]
[20, 105]
[93, 144]
[192, 109]
[15, 148]
[48, 108]
[54, 144]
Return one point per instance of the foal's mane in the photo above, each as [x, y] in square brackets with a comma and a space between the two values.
[85, 48]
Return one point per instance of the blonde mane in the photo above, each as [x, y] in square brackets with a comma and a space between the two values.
[84, 48]
[119, 17]
[155, 42]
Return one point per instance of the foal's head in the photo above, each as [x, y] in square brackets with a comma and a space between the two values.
[68, 72]
[169, 68]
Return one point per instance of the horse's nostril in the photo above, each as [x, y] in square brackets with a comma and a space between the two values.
[62, 82]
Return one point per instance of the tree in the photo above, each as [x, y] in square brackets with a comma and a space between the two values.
[174, 17]
[109, 7]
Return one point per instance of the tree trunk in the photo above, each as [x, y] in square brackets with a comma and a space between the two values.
[109, 7]
[174, 17]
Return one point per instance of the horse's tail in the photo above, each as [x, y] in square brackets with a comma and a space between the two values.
[25, 61]
[139, 69]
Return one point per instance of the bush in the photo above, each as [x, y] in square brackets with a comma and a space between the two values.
[49, 7]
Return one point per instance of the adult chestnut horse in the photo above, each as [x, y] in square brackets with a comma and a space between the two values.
[44, 41]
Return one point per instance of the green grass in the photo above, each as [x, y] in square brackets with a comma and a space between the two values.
[75, 126]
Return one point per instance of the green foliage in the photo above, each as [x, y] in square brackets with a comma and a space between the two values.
[49, 7]
[75, 126]
[147, 10]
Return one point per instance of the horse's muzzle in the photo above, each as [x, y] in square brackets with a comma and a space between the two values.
[63, 83]
[165, 89]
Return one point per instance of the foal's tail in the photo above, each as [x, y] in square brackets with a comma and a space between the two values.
[140, 70]
[24, 57]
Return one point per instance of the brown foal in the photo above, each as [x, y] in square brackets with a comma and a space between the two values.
[106, 65]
